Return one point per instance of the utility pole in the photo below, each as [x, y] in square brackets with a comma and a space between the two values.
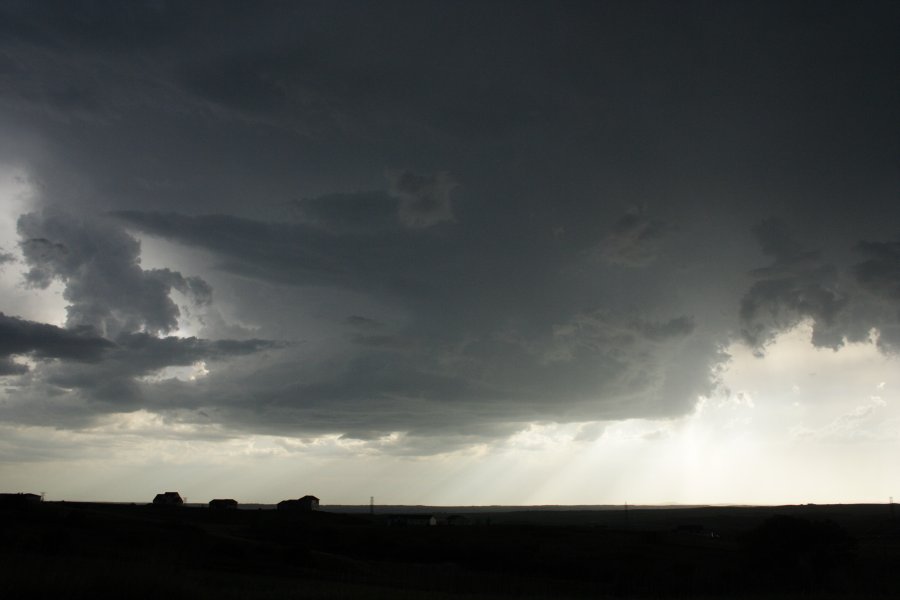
[371, 505]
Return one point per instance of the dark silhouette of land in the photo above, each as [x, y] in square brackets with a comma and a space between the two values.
[91, 550]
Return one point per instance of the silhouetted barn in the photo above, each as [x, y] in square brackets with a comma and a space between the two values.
[223, 504]
[458, 521]
[21, 500]
[411, 520]
[288, 505]
[304, 504]
[168, 499]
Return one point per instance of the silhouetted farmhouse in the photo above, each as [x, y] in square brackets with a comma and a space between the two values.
[411, 520]
[168, 499]
[304, 504]
[223, 504]
[21, 500]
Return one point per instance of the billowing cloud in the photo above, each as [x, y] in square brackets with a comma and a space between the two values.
[796, 286]
[844, 302]
[79, 376]
[115, 315]
[99, 263]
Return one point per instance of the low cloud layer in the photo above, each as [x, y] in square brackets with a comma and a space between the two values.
[117, 315]
[456, 363]
[42, 341]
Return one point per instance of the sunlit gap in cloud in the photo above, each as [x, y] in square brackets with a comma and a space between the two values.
[18, 196]
[161, 254]
[742, 445]
[194, 372]
[757, 440]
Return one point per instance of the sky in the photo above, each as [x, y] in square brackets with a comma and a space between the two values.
[450, 253]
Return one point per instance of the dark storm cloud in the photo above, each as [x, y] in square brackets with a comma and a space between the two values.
[116, 312]
[42, 341]
[880, 272]
[114, 379]
[99, 263]
[678, 327]
[455, 355]
[879, 276]
[843, 301]
[797, 285]
[634, 240]
[130, 354]
[361, 212]
[9, 367]
[424, 199]
[80, 375]
[475, 309]
[296, 253]
[413, 200]
[93, 376]
[473, 387]
[363, 322]
[140, 353]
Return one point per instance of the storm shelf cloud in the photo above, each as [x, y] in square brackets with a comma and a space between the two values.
[443, 229]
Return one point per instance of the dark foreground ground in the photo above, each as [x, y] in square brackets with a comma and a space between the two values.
[77, 550]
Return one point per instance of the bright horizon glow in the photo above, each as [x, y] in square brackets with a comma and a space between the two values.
[757, 444]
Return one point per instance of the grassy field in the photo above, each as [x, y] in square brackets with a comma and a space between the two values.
[79, 550]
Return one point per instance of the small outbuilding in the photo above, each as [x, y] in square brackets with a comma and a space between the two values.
[223, 504]
[288, 505]
[168, 499]
[309, 503]
[304, 504]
